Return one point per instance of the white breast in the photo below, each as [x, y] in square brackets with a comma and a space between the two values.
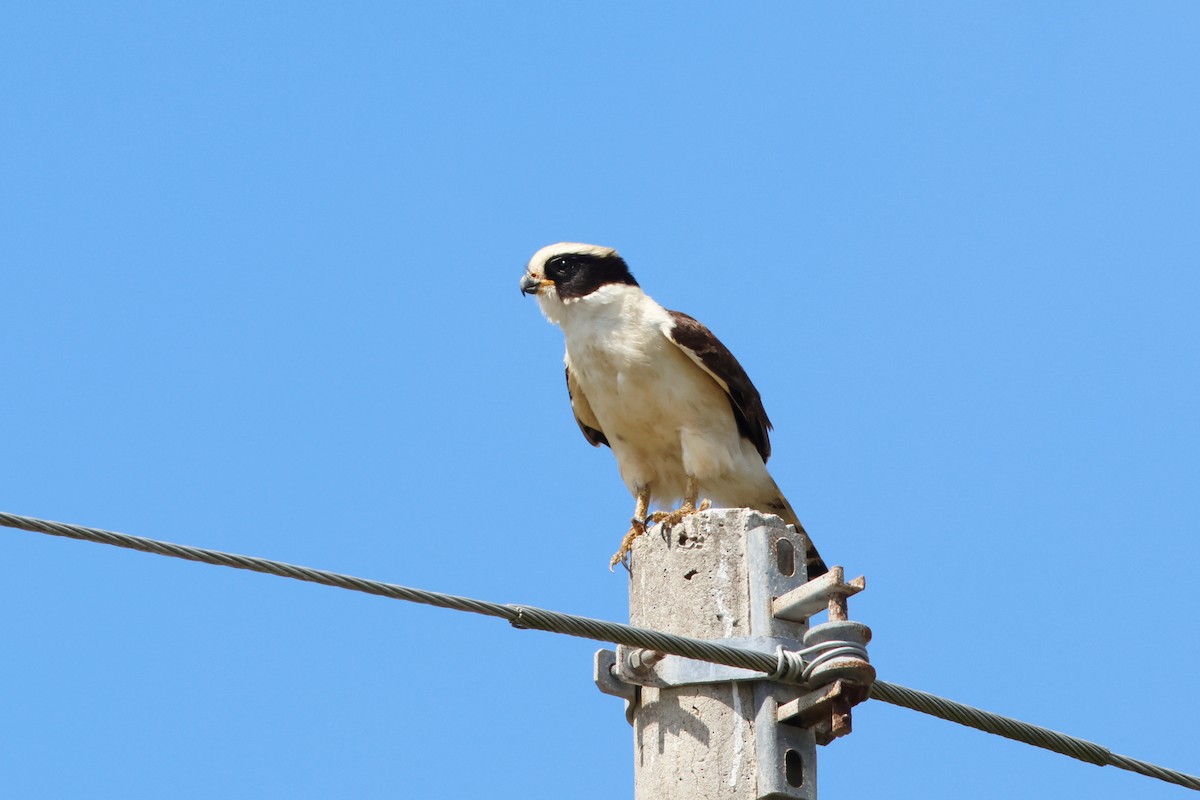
[662, 414]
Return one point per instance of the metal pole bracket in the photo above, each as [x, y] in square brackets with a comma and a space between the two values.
[826, 711]
[604, 673]
[841, 676]
[651, 668]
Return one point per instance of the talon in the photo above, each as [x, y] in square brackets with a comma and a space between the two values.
[705, 505]
[636, 529]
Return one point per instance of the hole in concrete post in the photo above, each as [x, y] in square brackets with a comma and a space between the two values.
[785, 557]
[793, 768]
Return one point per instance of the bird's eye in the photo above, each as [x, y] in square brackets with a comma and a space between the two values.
[557, 267]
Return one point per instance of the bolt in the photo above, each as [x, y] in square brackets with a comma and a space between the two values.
[641, 661]
[838, 611]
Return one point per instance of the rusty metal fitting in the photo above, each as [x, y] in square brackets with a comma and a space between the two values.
[843, 657]
[837, 669]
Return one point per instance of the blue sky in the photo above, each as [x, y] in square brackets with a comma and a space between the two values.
[259, 267]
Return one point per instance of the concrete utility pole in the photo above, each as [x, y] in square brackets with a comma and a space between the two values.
[711, 732]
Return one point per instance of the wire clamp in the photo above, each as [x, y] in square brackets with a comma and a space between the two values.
[837, 667]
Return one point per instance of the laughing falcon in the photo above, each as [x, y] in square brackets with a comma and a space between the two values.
[674, 405]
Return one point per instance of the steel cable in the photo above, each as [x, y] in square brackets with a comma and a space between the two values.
[1019, 731]
[601, 630]
[519, 616]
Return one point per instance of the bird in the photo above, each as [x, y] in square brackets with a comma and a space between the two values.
[655, 386]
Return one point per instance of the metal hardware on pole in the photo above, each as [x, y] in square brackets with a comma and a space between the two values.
[708, 730]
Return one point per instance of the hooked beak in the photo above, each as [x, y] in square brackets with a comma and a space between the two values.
[530, 284]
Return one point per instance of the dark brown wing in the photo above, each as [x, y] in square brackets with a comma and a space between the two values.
[583, 413]
[714, 358]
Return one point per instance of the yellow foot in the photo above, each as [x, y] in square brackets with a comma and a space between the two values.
[675, 517]
[636, 529]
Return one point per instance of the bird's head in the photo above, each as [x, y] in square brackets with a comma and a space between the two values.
[560, 274]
